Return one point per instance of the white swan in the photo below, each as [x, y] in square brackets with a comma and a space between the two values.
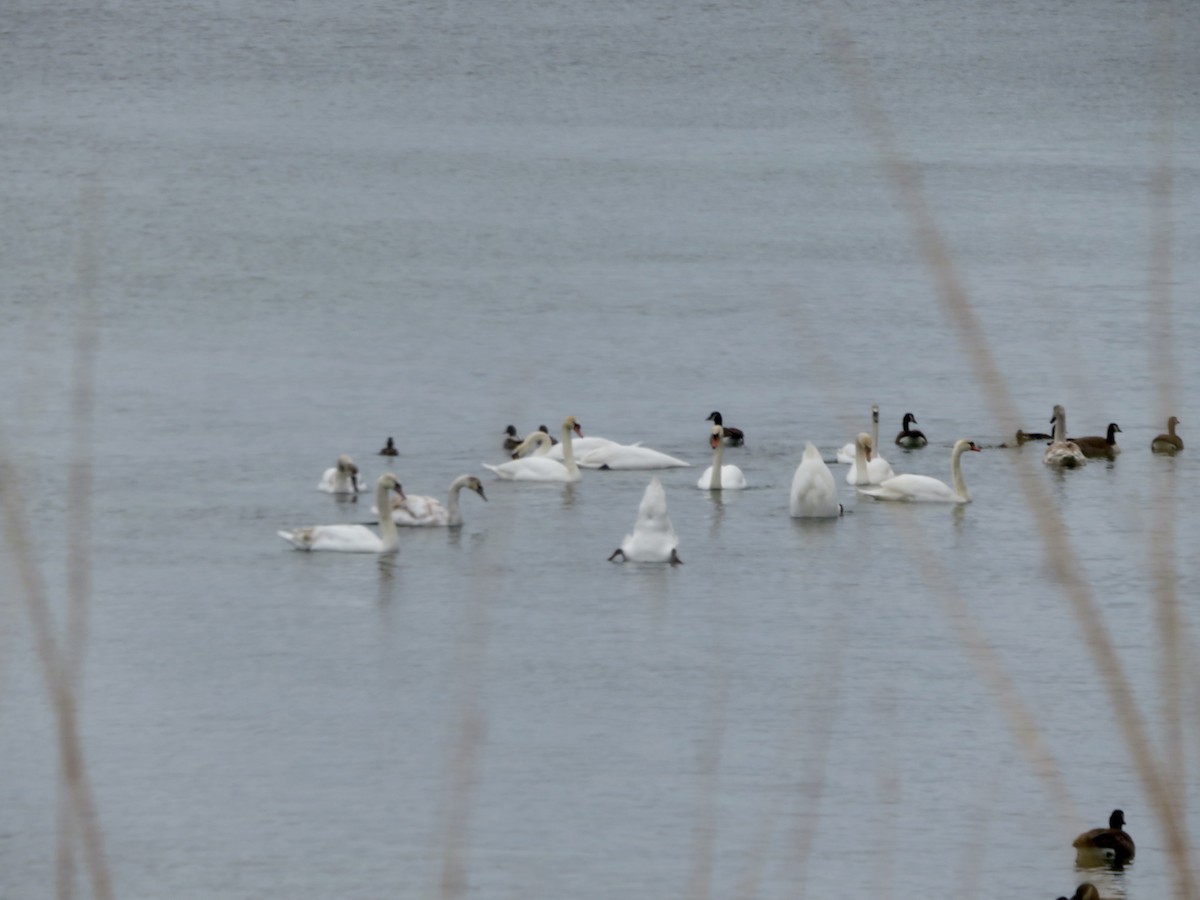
[341, 479]
[352, 538]
[585, 445]
[847, 452]
[718, 477]
[544, 468]
[629, 456]
[1061, 452]
[537, 444]
[423, 511]
[653, 538]
[922, 488]
[814, 492]
[868, 468]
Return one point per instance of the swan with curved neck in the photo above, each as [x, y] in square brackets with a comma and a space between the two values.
[718, 477]
[352, 538]
[423, 511]
[653, 538]
[537, 444]
[544, 468]
[924, 489]
[848, 452]
[868, 468]
[341, 479]
[911, 438]
[1169, 442]
[1094, 446]
[1062, 453]
[814, 492]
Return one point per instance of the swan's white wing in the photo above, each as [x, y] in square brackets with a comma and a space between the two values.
[618, 456]
[417, 510]
[1065, 454]
[914, 489]
[845, 453]
[532, 468]
[582, 446]
[341, 538]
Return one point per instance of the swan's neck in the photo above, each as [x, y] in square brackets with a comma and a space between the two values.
[1060, 426]
[452, 505]
[387, 528]
[960, 486]
[860, 464]
[568, 451]
[1171, 428]
[715, 482]
[875, 428]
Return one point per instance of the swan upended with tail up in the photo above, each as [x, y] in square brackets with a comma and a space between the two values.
[814, 490]
[653, 538]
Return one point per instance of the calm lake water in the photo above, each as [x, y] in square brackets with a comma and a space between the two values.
[301, 227]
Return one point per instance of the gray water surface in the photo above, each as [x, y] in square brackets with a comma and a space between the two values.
[301, 229]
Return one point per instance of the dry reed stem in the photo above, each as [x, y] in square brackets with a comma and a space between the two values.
[956, 305]
[54, 672]
[1162, 535]
[467, 740]
[705, 830]
[1021, 721]
[813, 774]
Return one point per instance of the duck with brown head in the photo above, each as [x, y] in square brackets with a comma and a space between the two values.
[389, 449]
[1111, 846]
[1169, 442]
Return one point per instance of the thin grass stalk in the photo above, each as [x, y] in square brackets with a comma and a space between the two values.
[814, 773]
[956, 305]
[1022, 723]
[466, 741]
[62, 697]
[705, 830]
[1162, 535]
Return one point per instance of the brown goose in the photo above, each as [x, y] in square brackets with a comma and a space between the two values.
[1169, 442]
[910, 437]
[733, 436]
[389, 449]
[1101, 846]
[1095, 446]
